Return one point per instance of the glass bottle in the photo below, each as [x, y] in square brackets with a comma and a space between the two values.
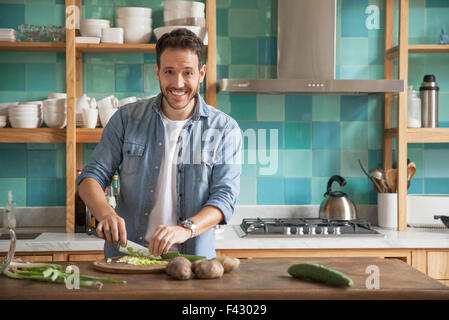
[9, 218]
[80, 211]
[116, 187]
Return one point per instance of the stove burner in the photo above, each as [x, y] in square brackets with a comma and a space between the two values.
[305, 227]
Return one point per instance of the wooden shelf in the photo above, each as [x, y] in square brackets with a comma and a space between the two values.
[393, 53]
[428, 48]
[421, 135]
[84, 135]
[118, 48]
[115, 47]
[428, 135]
[33, 46]
[38, 135]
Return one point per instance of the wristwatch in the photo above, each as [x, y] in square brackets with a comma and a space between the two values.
[189, 224]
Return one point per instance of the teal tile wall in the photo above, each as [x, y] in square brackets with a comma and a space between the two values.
[307, 138]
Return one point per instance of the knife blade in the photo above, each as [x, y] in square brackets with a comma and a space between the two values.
[131, 248]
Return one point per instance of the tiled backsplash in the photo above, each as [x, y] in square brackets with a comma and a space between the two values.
[311, 137]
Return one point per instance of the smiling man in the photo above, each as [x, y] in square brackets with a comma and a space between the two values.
[180, 161]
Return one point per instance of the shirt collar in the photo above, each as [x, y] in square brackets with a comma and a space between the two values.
[200, 107]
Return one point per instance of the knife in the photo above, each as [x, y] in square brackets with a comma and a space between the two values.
[131, 249]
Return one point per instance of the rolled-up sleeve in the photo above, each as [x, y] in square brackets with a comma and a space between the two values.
[107, 155]
[225, 180]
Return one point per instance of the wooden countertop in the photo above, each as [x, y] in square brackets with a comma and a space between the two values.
[258, 279]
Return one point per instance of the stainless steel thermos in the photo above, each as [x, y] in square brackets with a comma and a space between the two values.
[429, 101]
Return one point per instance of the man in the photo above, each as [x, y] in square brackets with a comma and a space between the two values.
[180, 161]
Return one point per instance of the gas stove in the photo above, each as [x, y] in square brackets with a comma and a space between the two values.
[305, 227]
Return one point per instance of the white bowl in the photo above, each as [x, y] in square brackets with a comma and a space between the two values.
[26, 113]
[200, 22]
[4, 107]
[2, 124]
[137, 34]
[13, 107]
[90, 28]
[55, 119]
[133, 22]
[29, 104]
[138, 12]
[173, 15]
[96, 21]
[57, 95]
[88, 39]
[56, 103]
[159, 32]
[112, 35]
[183, 5]
[25, 122]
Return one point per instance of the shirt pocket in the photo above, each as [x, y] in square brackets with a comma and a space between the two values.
[132, 157]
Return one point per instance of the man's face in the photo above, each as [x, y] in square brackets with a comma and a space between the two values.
[179, 77]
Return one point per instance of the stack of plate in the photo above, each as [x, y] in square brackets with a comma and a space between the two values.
[136, 23]
[9, 35]
[3, 121]
[182, 14]
[25, 115]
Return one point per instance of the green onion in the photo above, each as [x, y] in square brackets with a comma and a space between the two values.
[50, 272]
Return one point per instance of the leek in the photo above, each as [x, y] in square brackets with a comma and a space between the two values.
[50, 272]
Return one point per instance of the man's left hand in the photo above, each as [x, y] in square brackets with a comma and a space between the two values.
[166, 236]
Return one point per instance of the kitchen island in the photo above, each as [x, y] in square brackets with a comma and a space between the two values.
[256, 279]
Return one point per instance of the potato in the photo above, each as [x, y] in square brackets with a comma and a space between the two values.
[207, 269]
[228, 263]
[195, 265]
[179, 268]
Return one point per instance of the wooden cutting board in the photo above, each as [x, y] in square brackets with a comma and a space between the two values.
[118, 267]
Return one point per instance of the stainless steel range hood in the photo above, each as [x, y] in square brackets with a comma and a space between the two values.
[306, 56]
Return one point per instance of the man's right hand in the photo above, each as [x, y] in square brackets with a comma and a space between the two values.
[112, 228]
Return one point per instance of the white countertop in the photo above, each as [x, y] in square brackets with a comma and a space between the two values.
[57, 241]
[227, 238]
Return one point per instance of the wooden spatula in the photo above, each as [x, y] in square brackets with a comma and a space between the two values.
[391, 176]
[411, 170]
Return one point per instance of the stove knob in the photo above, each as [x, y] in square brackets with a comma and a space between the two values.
[312, 230]
[287, 230]
[324, 230]
[299, 230]
[337, 230]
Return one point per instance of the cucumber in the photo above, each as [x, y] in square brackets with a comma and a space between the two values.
[174, 254]
[320, 273]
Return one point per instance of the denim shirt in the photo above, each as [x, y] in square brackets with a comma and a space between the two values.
[208, 167]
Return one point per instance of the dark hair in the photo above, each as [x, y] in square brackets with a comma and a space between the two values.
[181, 38]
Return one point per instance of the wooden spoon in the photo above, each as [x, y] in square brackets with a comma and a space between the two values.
[392, 179]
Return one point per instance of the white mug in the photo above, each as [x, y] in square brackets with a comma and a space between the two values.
[108, 102]
[90, 117]
[122, 102]
[83, 102]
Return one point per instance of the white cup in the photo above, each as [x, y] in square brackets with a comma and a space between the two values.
[90, 117]
[105, 115]
[387, 210]
[108, 102]
[112, 35]
[122, 102]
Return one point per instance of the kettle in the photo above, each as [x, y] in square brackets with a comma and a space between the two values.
[337, 205]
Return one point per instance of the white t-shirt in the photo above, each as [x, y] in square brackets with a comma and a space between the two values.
[165, 210]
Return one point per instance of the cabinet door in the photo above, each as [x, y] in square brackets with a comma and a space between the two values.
[85, 257]
[33, 258]
[438, 264]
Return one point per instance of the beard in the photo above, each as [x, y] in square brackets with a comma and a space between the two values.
[165, 97]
